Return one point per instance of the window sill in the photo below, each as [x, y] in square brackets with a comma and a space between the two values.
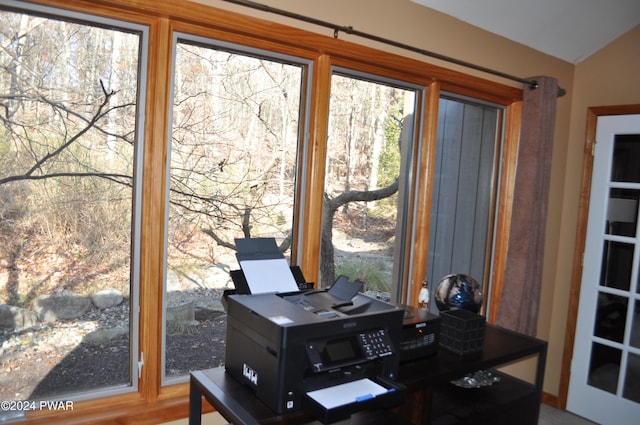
[123, 410]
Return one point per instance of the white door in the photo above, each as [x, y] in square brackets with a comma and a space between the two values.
[605, 370]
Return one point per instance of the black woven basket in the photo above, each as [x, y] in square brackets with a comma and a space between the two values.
[462, 331]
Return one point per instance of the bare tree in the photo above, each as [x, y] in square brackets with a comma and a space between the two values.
[39, 162]
[234, 141]
[329, 208]
[66, 172]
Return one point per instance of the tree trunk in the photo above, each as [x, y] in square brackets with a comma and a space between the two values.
[327, 251]
[329, 208]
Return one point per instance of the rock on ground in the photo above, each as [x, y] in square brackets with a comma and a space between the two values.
[107, 298]
[66, 305]
[12, 317]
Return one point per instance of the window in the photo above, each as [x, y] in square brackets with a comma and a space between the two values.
[69, 173]
[464, 194]
[369, 151]
[247, 124]
[234, 151]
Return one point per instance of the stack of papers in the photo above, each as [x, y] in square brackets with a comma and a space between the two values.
[351, 392]
[265, 268]
[265, 276]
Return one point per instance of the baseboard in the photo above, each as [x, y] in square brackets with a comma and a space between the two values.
[551, 400]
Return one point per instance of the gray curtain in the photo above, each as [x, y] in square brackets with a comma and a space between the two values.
[520, 298]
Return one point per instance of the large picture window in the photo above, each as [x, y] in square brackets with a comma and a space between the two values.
[69, 173]
[464, 192]
[140, 140]
[368, 160]
[234, 151]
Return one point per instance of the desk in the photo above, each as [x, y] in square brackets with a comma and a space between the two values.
[432, 399]
[238, 405]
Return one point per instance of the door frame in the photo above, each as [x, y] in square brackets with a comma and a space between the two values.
[581, 234]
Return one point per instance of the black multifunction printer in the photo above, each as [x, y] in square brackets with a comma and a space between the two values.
[316, 350]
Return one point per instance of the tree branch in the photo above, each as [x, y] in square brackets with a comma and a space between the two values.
[219, 241]
[90, 124]
[361, 195]
[108, 176]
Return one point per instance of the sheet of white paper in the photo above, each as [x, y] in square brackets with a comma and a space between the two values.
[350, 392]
[272, 275]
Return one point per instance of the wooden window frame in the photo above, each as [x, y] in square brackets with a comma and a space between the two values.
[153, 403]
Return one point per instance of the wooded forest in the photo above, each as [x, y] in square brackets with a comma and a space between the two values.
[71, 109]
[67, 155]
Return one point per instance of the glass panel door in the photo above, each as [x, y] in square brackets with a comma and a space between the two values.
[606, 368]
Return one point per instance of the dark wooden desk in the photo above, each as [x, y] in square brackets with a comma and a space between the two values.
[432, 398]
[238, 405]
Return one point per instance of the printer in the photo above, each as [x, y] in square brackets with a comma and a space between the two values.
[328, 352]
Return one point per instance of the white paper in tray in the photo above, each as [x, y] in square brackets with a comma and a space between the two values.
[270, 275]
[351, 392]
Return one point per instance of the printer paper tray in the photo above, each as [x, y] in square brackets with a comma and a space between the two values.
[355, 396]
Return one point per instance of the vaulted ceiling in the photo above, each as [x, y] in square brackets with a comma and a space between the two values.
[571, 30]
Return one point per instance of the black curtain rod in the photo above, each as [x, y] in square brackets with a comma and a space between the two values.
[532, 84]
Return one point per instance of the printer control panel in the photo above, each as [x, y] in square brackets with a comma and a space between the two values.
[343, 351]
[376, 344]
